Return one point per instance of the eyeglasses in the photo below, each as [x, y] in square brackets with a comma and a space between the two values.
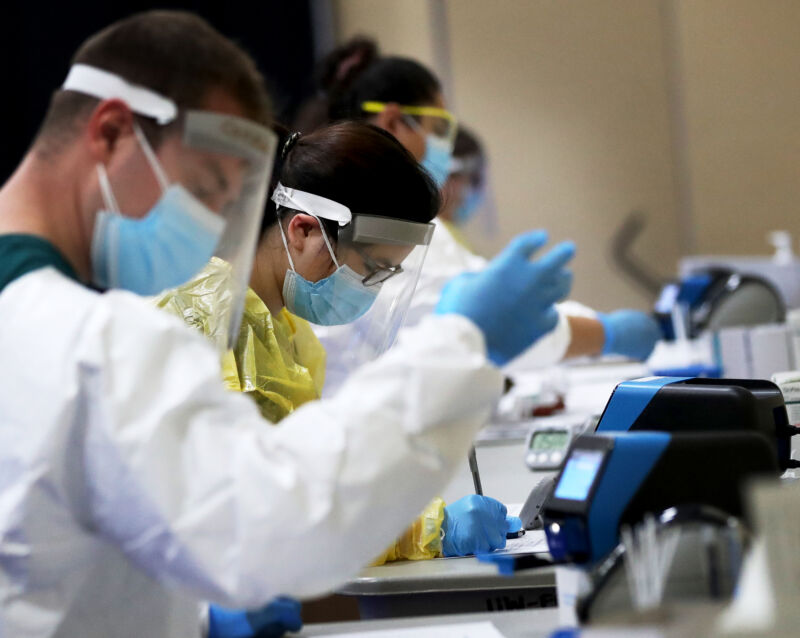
[445, 124]
[378, 272]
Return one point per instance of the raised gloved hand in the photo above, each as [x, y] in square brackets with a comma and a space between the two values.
[271, 621]
[476, 525]
[630, 332]
[512, 299]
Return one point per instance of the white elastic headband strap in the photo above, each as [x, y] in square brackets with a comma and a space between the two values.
[317, 207]
[150, 154]
[324, 236]
[105, 86]
[286, 245]
[312, 204]
[105, 189]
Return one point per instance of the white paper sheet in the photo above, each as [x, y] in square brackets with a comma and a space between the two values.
[513, 509]
[532, 541]
[463, 630]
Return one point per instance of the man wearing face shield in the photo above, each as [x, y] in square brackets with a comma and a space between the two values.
[132, 485]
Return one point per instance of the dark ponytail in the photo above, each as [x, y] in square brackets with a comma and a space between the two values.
[356, 73]
[341, 67]
[334, 75]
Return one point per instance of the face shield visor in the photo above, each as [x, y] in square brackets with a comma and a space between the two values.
[377, 264]
[212, 172]
[468, 185]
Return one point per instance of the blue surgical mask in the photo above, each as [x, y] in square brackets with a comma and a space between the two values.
[469, 204]
[438, 156]
[338, 299]
[335, 300]
[161, 250]
[437, 159]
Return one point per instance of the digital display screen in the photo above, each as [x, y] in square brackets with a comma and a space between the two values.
[547, 441]
[579, 474]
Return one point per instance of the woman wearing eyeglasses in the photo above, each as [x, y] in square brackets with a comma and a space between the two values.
[350, 211]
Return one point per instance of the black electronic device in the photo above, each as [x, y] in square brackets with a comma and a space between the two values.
[677, 404]
[616, 478]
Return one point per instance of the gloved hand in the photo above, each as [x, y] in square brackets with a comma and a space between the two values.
[630, 332]
[476, 525]
[512, 299]
[271, 621]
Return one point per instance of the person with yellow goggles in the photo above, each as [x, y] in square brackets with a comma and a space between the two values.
[405, 98]
[435, 124]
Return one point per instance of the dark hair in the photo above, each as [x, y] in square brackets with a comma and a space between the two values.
[176, 54]
[467, 143]
[334, 75]
[344, 64]
[361, 166]
[355, 73]
[468, 147]
[281, 150]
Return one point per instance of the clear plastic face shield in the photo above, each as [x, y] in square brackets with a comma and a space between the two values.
[212, 172]
[377, 263]
[469, 193]
[437, 126]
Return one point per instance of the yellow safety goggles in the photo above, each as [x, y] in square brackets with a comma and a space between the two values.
[445, 124]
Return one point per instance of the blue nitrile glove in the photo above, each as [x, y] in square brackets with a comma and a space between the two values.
[631, 333]
[271, 621]
[476, 525]
[512, 299]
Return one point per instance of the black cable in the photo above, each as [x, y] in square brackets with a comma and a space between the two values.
[621, 243]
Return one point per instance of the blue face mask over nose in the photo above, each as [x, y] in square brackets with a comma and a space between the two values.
[335, 300]
[338, 299]
[161, 250]
[438, 156]
[437, 159]
[468, 206]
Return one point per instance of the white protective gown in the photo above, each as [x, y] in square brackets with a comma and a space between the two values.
[132, 486]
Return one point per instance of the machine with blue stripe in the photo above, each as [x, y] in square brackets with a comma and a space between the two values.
[615, 478]
[685, 404]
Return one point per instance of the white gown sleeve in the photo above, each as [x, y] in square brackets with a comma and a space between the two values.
[197, 489]
[446, 259]
[552, 347]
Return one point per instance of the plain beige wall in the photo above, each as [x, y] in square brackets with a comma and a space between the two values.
[401, 28]
[570, 100]
[687, 110]
[741, 76]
